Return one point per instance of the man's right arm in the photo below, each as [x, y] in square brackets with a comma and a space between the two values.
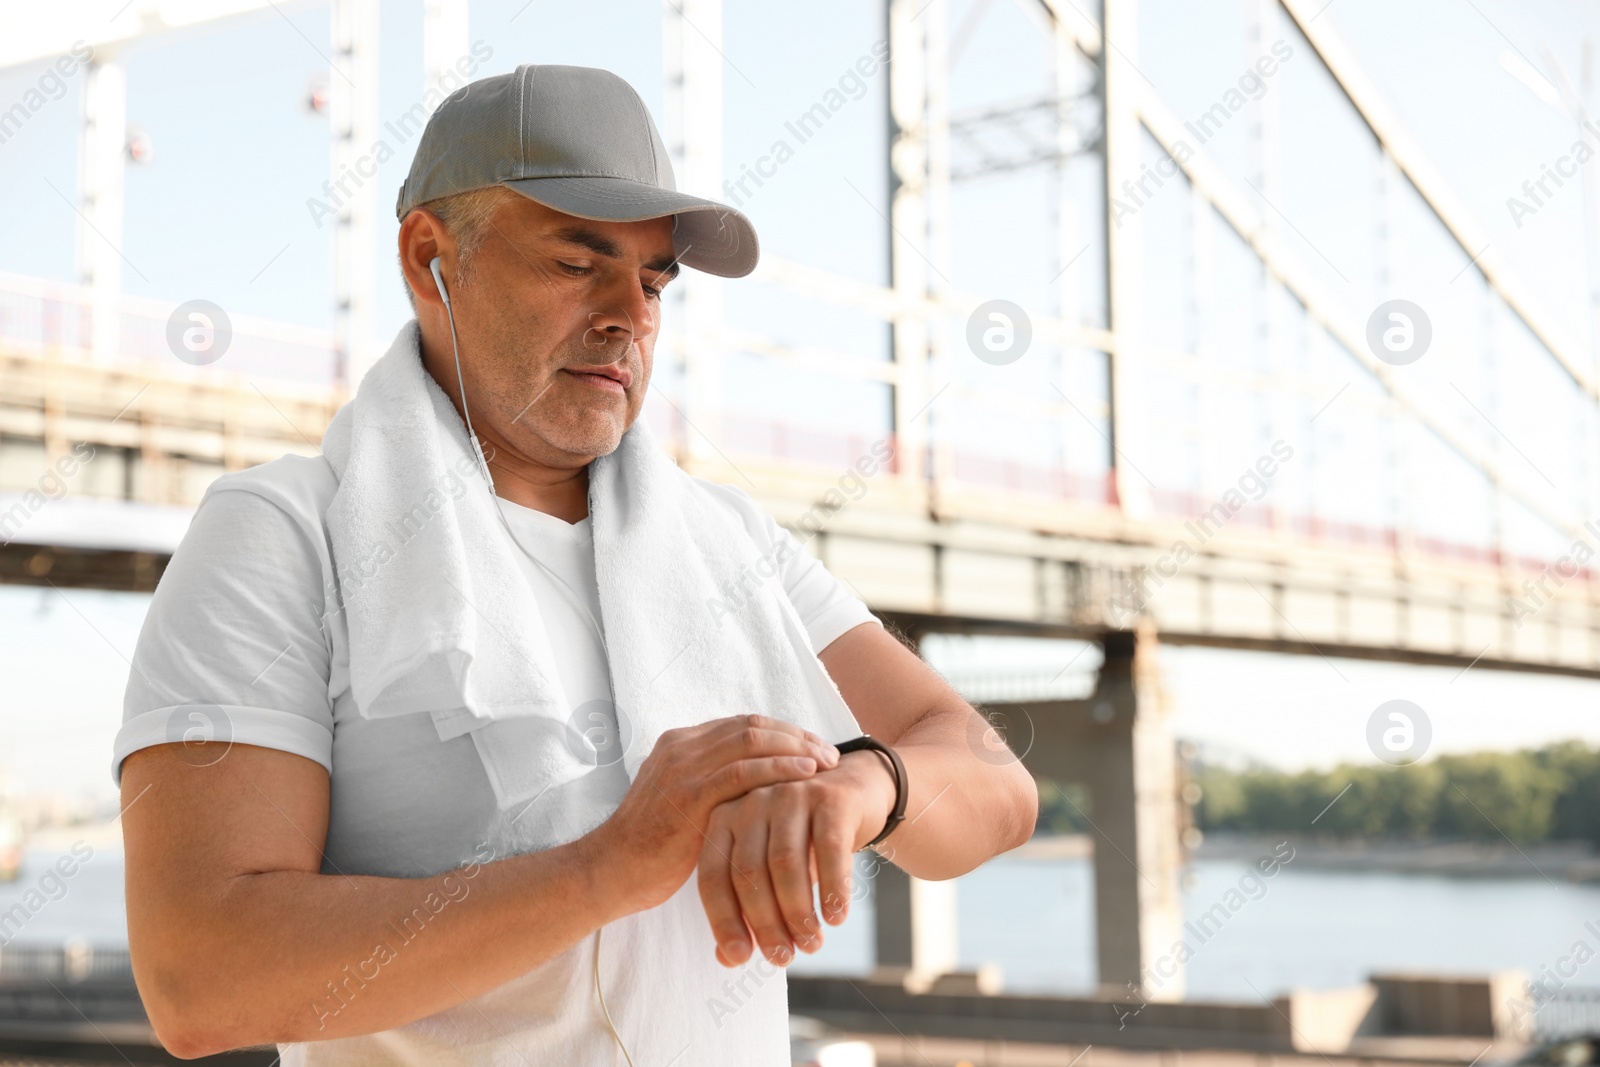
[238, 938]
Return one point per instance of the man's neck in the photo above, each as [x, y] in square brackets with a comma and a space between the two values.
[560, 493]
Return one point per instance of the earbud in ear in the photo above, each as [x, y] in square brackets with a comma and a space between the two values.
[438, 280]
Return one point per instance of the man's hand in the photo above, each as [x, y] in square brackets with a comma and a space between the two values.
[651, 842]
[966, 802]
[765, 850]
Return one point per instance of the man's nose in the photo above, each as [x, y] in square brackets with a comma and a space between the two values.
[624, 312]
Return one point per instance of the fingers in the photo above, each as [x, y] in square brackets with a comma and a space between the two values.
[714, 729]
[750, 742]
[753, 887]
[765, 852]
[711, 762]
[831, 846]
[789, 868]
[765, 722]
[735, 779]
[718, 898]
[753, 735]
[692, 770]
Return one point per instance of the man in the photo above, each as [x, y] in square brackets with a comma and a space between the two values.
[380, 888]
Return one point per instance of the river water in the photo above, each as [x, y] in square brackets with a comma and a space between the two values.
[1314, 929]
[1033, 917]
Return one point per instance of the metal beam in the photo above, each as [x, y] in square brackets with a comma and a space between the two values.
[1124, 254]
[444, 41]
[1071, 20]
[894, 304]
[691, 39]
[101, 141]
[1408, 155]
[52, 29]
[911, 342]
[1321, 307]
[353, 111]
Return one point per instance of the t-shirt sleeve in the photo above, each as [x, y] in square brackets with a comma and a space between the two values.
[233, 647]
[826, 605]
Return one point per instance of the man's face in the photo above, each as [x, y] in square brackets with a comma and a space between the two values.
[553, 304]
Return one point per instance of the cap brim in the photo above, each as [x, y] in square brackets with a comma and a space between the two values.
[706, 235]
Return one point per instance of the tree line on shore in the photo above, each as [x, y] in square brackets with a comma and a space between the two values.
[1545, 794]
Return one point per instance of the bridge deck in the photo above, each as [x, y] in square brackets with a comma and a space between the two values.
[992, 546]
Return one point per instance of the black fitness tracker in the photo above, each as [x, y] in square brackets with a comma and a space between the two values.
[897, 768]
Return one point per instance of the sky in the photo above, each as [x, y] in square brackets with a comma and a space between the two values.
[222, 213]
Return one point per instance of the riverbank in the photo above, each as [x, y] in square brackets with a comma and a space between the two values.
[1560, 861]
[1569, 861]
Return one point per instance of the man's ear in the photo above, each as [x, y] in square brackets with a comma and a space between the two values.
[422, 237]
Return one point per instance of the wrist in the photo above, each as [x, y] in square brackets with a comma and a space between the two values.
[598, 879]
[876, 784]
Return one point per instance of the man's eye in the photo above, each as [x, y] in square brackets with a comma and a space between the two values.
[574, 269]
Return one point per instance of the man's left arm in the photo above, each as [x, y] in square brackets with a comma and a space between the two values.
[969, 800]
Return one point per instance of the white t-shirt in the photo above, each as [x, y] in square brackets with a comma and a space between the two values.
[244, 641]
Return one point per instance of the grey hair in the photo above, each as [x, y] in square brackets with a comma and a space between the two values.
[466, 218]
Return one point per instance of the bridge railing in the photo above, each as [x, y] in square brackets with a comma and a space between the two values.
[1014, 686]
[57, 318]
[74, 960]
[1567, 1013]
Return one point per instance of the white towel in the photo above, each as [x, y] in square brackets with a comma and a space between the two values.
[441, 620]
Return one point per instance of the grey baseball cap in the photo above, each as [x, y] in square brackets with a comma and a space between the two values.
[579, 140]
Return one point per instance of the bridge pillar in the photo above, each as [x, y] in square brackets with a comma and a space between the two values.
[1119, 744]
[916, 928]
[915, 936]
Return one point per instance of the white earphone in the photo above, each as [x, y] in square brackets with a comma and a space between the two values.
[483, 464]
[444, 294]
[438, 280]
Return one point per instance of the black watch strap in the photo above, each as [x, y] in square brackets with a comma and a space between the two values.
[902, 786]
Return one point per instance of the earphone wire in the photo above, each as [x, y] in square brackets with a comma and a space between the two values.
[599, 993]
[489, 480]
[461, 385]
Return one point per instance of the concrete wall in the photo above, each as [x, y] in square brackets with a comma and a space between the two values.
[1425, 1004]
[1306, 1021]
